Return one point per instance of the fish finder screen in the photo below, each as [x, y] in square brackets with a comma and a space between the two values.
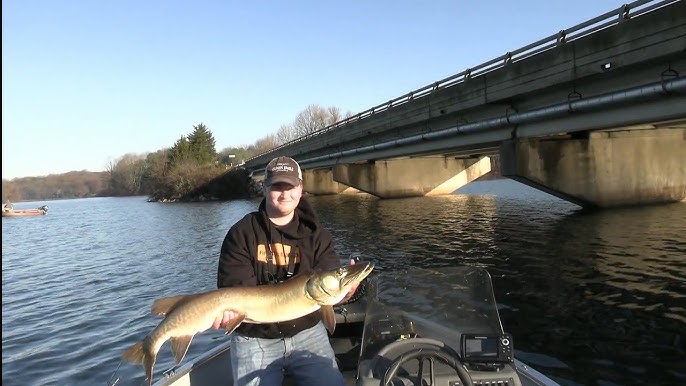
[490, 348]
[481, 347]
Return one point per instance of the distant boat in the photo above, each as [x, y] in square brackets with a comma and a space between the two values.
[8, 211]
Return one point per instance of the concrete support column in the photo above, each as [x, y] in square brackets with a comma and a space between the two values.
[320, 182]
[412, 177]
[636, 166]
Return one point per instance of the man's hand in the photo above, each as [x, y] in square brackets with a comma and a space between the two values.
[222, 321]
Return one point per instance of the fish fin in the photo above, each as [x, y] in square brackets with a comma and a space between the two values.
[136, 354]
[149, 363]
[164, 306]
[179, 346]
[328, 318]
[234, 323]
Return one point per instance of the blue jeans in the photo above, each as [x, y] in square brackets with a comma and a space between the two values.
[307, 357]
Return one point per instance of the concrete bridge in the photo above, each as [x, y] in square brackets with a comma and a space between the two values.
[595, 114]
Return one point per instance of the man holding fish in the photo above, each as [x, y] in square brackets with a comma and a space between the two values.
[278, 280]
[283, 238]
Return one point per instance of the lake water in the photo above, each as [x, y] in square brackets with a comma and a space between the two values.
[590, 298]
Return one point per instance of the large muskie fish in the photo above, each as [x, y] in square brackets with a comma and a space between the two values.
[187, 315]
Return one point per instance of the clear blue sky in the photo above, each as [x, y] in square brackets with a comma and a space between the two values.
[86, 82]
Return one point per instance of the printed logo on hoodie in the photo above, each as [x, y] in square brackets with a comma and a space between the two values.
[281, 254]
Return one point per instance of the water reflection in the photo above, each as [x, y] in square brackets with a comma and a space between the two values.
[401, 233]
[588, 288]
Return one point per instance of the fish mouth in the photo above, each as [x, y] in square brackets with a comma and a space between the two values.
[355, 273]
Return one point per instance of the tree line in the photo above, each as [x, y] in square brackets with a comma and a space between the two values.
[191, 169]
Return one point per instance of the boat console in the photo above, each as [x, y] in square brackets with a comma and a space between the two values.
[434, 327]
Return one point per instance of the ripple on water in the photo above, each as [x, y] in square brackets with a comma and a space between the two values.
[591, 298]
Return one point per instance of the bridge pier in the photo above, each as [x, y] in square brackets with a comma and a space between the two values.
[633, 166]
[412, 177]
[320, 182]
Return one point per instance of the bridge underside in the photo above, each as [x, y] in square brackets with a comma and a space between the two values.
[633, 166]
[638, 165]
[396, 178]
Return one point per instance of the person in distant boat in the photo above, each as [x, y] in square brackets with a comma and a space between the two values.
[7, 206]
[281, 239]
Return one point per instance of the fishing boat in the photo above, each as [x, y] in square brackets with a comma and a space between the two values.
[417, 327]
[11, 212]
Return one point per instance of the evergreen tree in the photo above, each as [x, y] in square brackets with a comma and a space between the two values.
[202, 145]
[181, 152]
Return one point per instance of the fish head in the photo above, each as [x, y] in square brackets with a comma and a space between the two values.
[329, 287]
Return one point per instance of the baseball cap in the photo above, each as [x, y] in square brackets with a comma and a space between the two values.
[283, 169]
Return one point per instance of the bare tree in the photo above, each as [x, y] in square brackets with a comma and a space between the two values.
[126, 174]
[335, 115]
[265, 144]
[311, 119]
[55, 186]
[286, 133]
[10, 191]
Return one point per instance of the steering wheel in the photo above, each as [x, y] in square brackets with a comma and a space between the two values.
[438, 352]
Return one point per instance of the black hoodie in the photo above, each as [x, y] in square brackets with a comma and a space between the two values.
[257, 252]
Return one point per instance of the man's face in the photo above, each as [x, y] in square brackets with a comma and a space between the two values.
[283, 198]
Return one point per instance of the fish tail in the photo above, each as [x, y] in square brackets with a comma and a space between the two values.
[137, 354]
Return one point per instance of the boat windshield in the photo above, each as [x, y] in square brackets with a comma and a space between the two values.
[440, 303]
